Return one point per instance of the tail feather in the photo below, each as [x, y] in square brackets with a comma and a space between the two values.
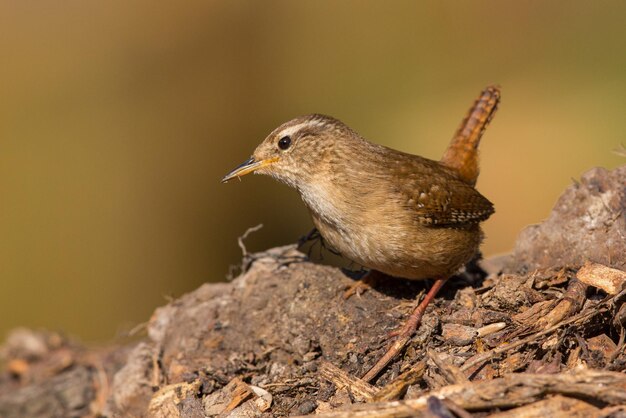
[462, 153]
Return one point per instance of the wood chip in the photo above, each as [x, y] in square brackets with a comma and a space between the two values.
[457, 334]
[361, 390]
[513, 362]
[606, 278]
[556, 406]
[490, 329]
[573, 358]
[164, 403]
[570, 304]
[531, 315]
[398, 386]
[603, 346]
[449, 371]
[228, 398]
[264, 399]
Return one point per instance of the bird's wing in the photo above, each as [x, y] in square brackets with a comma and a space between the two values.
[440, 199]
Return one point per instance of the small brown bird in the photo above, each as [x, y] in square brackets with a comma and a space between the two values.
[392, 212]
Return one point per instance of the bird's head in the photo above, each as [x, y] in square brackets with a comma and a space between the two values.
[296, 150]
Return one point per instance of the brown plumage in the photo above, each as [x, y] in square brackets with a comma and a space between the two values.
[392, 212]
[401, 214]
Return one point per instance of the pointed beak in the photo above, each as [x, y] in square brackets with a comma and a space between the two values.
[247, 167]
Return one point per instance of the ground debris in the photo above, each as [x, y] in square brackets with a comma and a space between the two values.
[511, 391]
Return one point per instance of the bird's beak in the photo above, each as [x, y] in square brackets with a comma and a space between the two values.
[248, 166]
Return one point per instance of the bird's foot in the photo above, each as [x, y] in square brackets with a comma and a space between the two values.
[407, 330]
[313, 235]
[402, 337]
[364, 284]
[404, 334]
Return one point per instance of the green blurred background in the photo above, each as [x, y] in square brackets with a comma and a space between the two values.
[118, 119]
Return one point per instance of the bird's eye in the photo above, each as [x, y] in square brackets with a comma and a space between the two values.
[284, 142]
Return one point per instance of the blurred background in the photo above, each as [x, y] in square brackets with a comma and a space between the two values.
[118, 120]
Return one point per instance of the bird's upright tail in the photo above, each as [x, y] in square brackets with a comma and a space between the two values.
[462, 153]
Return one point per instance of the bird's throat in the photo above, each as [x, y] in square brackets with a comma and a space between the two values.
[324, 203]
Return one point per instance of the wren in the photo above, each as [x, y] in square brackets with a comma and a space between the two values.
[395, 213]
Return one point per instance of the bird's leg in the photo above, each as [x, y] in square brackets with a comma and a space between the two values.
[313, 235]
[404, 334]
[363, 284]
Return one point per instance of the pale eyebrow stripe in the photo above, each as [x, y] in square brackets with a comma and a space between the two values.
[295, 128]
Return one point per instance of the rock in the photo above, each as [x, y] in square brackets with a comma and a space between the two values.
[587, 223]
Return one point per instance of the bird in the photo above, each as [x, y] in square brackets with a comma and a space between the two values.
[394, 213]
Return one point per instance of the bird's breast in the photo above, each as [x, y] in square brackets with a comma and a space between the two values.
[362, 226]
[378, 232]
